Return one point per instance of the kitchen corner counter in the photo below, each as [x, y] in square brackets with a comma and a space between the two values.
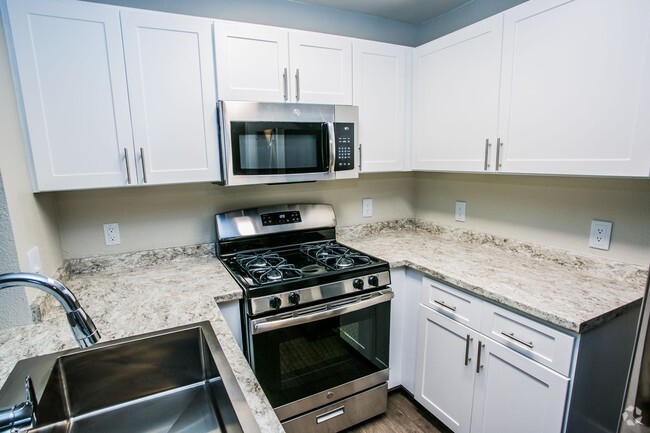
[136, 293]
[571, 291]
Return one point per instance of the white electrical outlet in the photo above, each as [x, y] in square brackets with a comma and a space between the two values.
[34, 261]
[366, 208]
[600, 234]
[112, 234]
[460, 211]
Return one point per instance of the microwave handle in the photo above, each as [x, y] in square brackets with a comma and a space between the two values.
[269, 324]
[332, 139]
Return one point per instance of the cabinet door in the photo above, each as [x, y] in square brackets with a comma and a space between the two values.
[321, 68]
[456, 99]
[444, 375]
[169, 63]
[575, 89]
[70, 62]
[514, 394]
[380, 89]
[252, 62]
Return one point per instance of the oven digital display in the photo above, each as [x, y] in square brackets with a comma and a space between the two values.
[278, 218]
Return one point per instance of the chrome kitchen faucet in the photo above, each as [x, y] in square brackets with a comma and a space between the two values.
[82, 326]
[83, 329]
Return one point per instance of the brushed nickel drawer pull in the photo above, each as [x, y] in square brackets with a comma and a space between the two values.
[442, 303]
[511, 335]
[467, 342]
[486, 164]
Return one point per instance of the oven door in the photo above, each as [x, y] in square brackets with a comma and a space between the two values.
[315, 356]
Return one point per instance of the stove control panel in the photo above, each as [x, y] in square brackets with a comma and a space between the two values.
[279, 218]
[290, 299]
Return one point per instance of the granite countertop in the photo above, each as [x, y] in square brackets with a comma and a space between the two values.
[141, 292]
[573, 292]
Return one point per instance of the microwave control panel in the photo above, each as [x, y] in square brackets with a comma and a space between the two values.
[344, 133]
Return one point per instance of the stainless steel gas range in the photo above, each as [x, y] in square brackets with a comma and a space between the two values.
[315, 314]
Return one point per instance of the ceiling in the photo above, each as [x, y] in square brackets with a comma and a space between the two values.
[408, 11]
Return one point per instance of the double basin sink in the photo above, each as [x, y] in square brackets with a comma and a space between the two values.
[173, 381]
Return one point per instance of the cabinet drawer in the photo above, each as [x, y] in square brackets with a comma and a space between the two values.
[460, 306]
[542, 343]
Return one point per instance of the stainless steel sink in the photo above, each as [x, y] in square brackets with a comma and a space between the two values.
[176, 380]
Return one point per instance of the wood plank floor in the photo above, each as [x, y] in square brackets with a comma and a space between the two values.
[404, 415]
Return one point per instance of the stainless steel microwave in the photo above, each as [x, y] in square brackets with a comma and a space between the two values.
[263, 143]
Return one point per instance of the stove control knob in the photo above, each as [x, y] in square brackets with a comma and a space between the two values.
[275, 302]
[373, 280]
[294, 298]
[357, 283]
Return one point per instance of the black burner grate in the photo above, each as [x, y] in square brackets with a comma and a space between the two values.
[335, 256]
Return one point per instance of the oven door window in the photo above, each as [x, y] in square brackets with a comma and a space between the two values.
[298, 361]
[279, 147]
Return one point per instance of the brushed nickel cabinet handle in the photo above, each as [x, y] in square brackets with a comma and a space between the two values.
[144, 168]
[511, 335]
[486, 164]
[297, 85]
[442, 304]
[285, 82]
[128, 169]
[499, 145]
[478, 358]
[468, 340]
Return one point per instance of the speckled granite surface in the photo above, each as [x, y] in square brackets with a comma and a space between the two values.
[568, 290]
[136, 293]
[141, 292]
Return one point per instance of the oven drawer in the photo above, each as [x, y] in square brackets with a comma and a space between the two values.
[535, 340]
[458, 305]
[342, 414]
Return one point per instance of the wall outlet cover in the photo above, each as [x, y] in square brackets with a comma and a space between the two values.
[366, 208]
[34, 260]
[112, 234]
[460, 211]
[600, 234]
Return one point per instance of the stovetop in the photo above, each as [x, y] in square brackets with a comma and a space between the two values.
[275, 270]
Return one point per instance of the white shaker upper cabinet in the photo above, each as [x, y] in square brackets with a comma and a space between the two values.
[456, 99]
[76, 108]
[381, 92]
[252, 62]
[271, 64]
[321, 68]
[169, 65]
[575, 88]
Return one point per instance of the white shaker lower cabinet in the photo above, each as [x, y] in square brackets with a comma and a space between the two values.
[515, 394]
[474, 384]
[481, 368]
[444, 374]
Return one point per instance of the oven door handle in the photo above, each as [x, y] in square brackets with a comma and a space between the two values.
[260, 326]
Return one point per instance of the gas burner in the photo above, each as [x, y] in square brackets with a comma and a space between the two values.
[268, 267]
[335, 256]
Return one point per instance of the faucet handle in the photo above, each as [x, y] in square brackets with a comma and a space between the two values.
[21, 415]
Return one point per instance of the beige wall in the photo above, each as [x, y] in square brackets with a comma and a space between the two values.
[155, 217]
[33, 216]
[555, 211]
